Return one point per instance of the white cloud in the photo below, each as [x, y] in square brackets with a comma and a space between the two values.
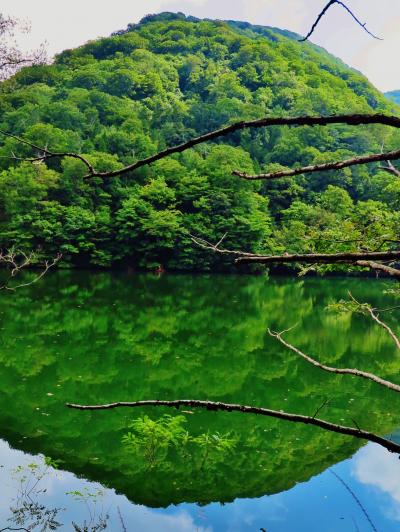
[376, 467]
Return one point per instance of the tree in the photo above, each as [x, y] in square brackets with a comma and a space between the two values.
[11, 57]
[11, 60]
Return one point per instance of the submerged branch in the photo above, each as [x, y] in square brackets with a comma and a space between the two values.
[279, 414]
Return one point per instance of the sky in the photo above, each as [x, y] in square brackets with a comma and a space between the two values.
[68, 24]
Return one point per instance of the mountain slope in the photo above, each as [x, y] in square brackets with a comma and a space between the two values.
[159, 83]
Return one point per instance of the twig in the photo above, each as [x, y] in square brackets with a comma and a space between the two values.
[323, 13]
[364, 511]
[121, 520]
[9, 528]
[215, 406]
[391, 169]
[321, 407]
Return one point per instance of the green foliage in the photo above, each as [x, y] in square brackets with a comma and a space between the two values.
[152, 439]
[162, 82]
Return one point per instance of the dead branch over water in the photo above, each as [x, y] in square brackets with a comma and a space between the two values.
[227, 407]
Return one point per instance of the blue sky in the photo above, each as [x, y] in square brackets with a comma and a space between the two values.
[68, 24]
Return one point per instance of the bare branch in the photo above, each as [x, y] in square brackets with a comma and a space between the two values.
[326, 9]
[11, 57]
[356, 258]
[14, 62]
[339, 371]
[279, 414]
[338, 165]
[390, 168]
[11, 258]
[349, 119]
[322, 258]
[215, 247]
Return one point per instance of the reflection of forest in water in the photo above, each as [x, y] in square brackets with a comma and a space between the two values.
[36, 496]
[94, 338]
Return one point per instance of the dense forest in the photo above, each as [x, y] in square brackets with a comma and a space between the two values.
[162, 82]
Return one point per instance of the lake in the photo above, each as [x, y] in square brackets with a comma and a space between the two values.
[93, 338]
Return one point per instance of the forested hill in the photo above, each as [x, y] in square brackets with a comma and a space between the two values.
[164, 81]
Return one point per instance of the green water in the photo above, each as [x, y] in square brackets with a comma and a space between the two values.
[100, 337]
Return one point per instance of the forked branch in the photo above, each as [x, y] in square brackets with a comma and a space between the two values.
[227, 407]
[391, 169]
[18, 261]
[45, 154]
[201, 242]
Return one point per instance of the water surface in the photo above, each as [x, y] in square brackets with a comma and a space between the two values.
[94, 338]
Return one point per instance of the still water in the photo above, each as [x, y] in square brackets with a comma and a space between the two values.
[95, 338]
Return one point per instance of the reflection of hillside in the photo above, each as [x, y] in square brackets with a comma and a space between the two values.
[96, 337]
